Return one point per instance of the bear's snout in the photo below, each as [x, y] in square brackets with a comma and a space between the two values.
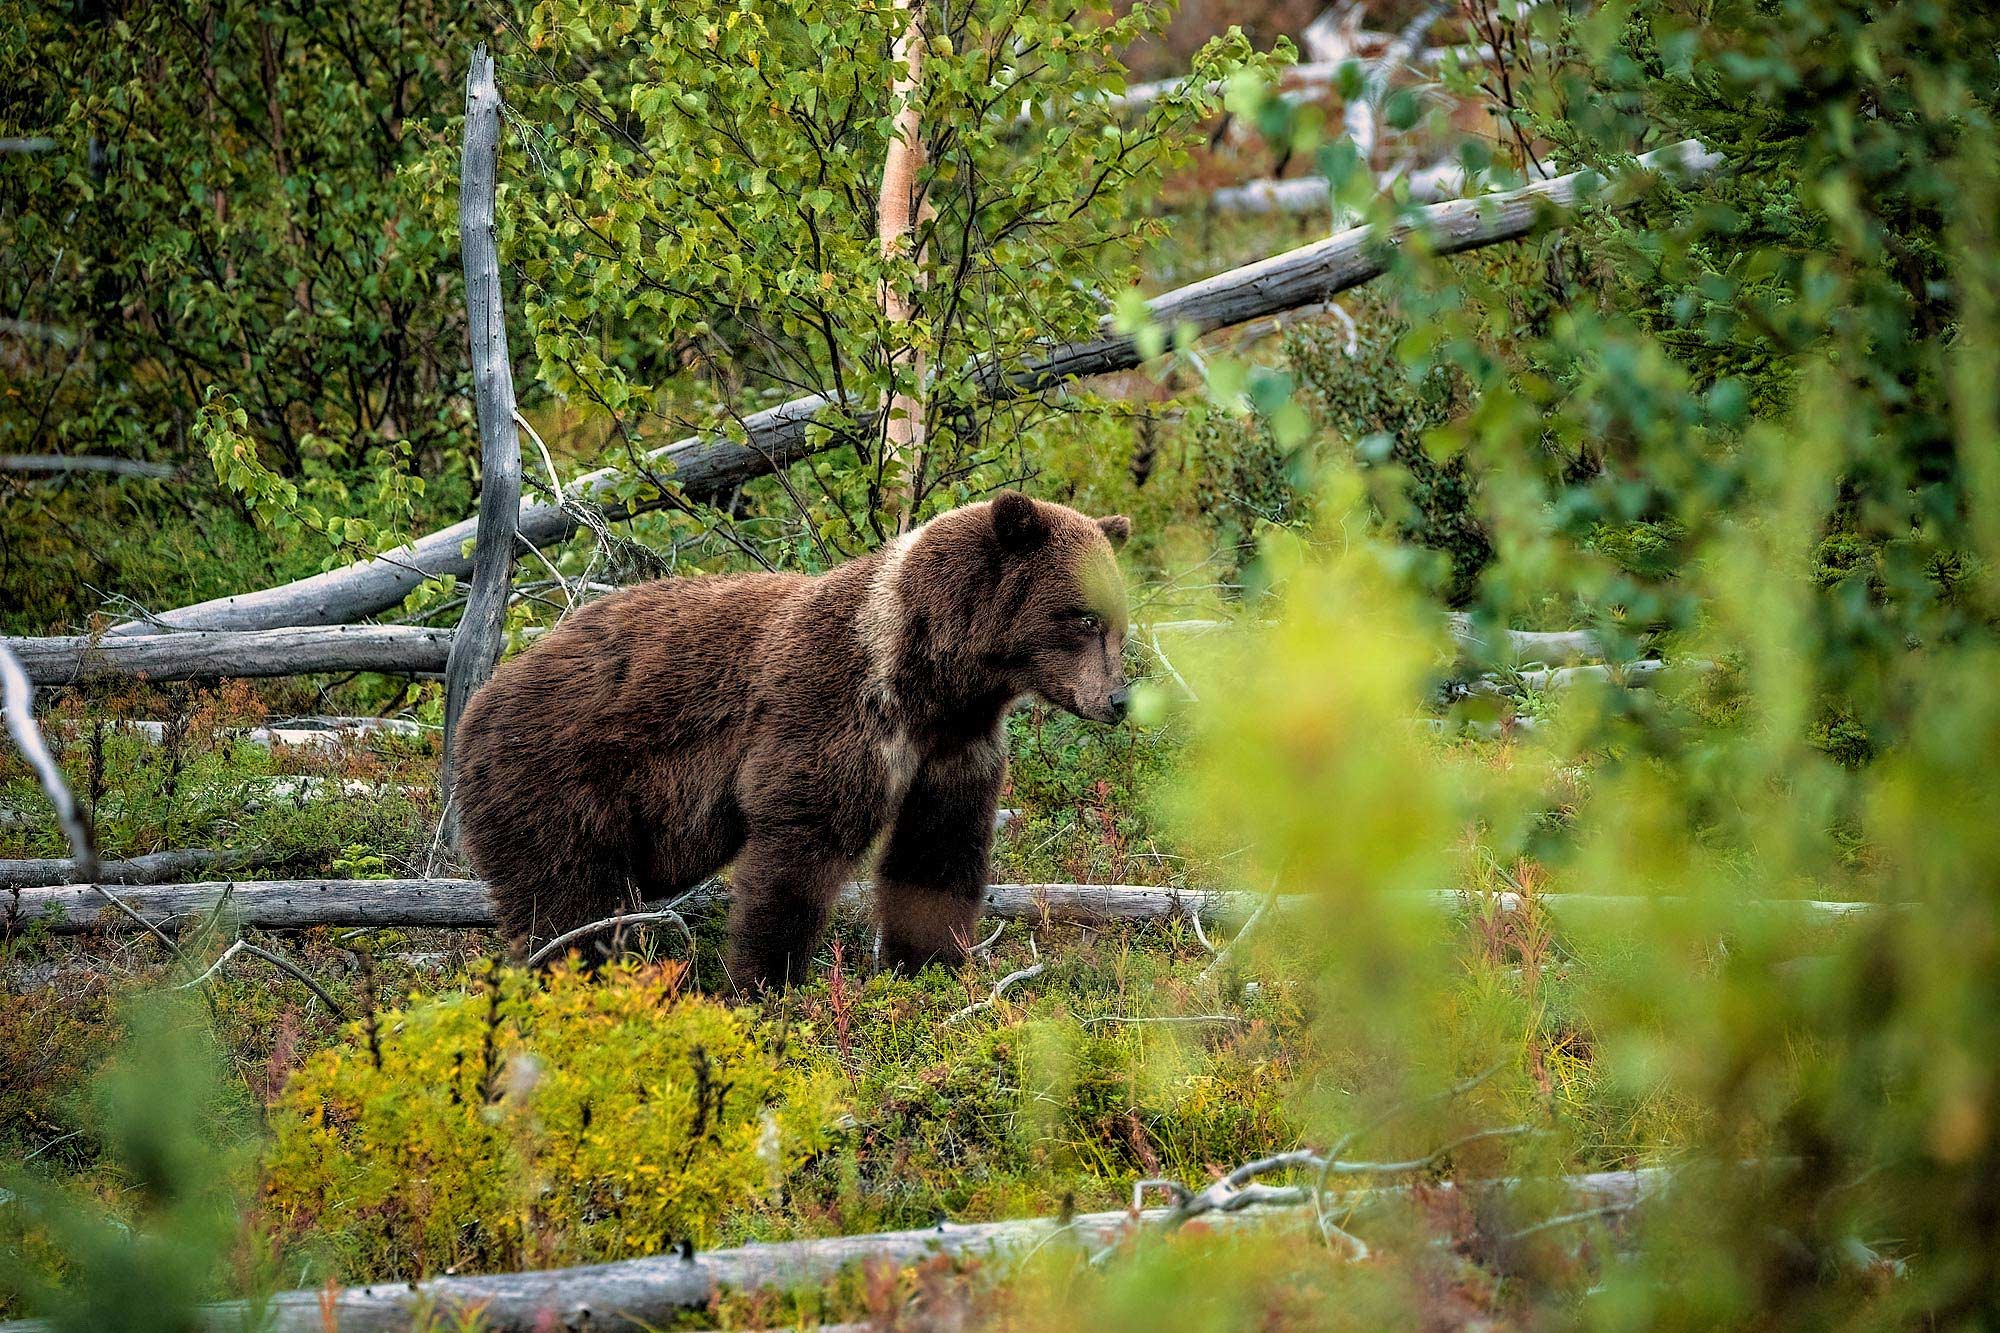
[1120, 698]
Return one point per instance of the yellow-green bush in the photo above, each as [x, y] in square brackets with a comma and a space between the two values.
[529, 1122]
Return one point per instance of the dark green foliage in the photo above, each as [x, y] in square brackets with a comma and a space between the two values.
[1382, 414]
[225, 208]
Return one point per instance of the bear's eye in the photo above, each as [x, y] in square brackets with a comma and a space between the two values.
[1089, 622]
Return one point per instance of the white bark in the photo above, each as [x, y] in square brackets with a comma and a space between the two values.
[899, 210]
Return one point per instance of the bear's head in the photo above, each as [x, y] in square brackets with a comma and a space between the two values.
[1014, 597]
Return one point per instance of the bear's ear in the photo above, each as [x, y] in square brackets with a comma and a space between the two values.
[1018, 522]
[1117, 527]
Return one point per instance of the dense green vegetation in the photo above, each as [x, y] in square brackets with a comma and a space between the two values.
[1745, 421]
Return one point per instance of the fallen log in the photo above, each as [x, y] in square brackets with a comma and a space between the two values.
[322, 732]
[61, 464]
[705, 466]
[1519, 646]
[1310, 195]
[149, 868]
[653, 1291]
[213, 655]
[300, 904]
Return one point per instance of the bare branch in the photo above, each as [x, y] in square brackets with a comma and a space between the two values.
[569, 937]
[999, 989]
[475, 648]
[276, 960]
[65, 463]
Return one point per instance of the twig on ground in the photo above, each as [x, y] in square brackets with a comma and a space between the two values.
[1228, 951]
[1424, 1163]
[665, 914]
[999, 989]
[1571, 1219]
[281, 963]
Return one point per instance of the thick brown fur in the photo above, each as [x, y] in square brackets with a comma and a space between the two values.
[780, 725]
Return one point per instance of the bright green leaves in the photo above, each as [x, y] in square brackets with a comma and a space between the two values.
[725, 161]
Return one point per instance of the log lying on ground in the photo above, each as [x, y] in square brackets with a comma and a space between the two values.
[705, 466]
[61, 464]
[150, 868]
[298, 904]
[1517, 646]
[323, 732]
[653, 1291]
[213, 655]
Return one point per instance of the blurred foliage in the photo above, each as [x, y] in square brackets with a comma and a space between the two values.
[174, 1135]
[526, 1123]
[1748, 422]
[1759, 414]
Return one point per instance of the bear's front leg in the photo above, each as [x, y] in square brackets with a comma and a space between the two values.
[782, 889]
[931, 884]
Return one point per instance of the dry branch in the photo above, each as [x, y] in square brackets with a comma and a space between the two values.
[211, 655]
[665, 916]
[475, 648]
[17, 699]
[278, 961]
[298, 904]
[1000, 988]
[706, 466]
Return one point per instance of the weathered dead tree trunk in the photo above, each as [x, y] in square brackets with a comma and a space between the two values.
[475, 648]
[17, 704]
[779, 436]
[212, 655]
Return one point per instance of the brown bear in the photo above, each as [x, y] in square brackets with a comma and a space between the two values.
[778, 724]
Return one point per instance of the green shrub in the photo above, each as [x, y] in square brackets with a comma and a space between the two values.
[522, 1124]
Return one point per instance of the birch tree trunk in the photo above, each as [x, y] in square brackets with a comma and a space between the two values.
[899, 211]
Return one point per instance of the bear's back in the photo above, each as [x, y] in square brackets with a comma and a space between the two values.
[659, 662]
